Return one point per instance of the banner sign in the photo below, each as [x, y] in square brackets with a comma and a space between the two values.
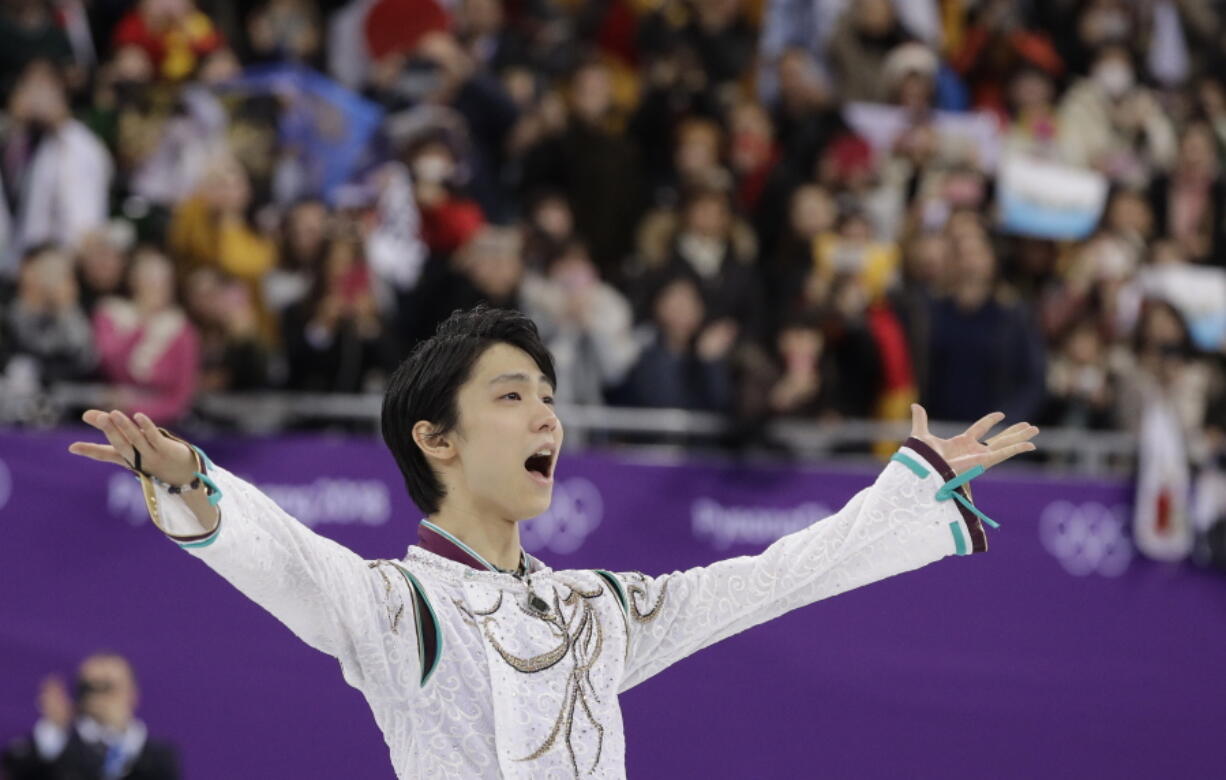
[971, 137]
[1049, 200]
[1058, 653]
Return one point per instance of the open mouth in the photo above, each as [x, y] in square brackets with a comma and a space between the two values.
[540, 464]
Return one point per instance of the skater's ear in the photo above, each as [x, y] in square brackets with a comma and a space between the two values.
[435, 445]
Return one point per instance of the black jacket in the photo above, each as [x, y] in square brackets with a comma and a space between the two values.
[81, 760]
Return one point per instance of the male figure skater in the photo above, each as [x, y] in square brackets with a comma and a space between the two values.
[477, 659]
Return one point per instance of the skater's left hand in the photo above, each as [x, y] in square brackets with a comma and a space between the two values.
[964, 451]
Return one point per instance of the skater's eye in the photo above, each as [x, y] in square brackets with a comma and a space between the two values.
[512, 396]
[548, 399]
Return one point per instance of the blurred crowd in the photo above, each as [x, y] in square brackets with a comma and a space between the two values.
[785, 208]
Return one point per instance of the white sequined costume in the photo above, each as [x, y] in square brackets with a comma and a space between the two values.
[472, 673]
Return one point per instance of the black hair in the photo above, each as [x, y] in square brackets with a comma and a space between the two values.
[1186, 347]
[35, 251]
[565, 248]
[81, 689]
[427, 384]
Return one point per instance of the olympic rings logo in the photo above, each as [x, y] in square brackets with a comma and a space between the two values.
[1087, 538]
[576, 511]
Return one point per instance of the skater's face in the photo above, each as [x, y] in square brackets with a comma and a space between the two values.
[508, 438]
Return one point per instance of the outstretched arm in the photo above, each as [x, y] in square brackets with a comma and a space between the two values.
[324, 592]
[908, 518]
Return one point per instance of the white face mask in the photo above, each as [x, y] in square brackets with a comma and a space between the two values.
[1115, 77]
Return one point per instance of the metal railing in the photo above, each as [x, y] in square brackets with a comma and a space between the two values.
[669, 431]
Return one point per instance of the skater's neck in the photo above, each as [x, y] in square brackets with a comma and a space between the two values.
[494, 539]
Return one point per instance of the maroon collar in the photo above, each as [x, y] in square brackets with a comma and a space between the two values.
[432, 538]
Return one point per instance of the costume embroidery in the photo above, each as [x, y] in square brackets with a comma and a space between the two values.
[637, 589]
[574, 621]
[393, 615]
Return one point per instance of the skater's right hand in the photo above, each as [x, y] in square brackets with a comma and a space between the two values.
[169, 460]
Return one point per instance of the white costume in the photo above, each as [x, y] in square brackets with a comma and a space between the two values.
[475, 673]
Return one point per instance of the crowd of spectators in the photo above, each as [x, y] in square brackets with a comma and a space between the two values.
[783, 208]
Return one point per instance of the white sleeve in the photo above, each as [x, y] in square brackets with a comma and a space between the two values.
[49, 740]
[896, 525]
[325, 593]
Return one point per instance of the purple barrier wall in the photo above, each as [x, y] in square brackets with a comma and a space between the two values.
[1057, 654]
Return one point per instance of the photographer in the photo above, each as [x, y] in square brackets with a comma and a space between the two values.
[93, 734]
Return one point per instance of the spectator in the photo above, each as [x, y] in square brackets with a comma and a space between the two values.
[233, 355]
[149, 350]
[799, 390]
[925, 269]
[489, 269]
[754, 153]
[812, 213]
[1080, 389]
[93, 733]
[285, 30]
[440, 78]
[46, 324]
[1164, 398]
[985, 352]
[585, 322]
[684, 364]
[908, 77]
[211, 229]
[805, 121]
[335, 339]
[174, 33]
[1034, 127]
[1102, 23]
[997, 44]
[493, 264]
[697, 155]
[596, 166]
[854, 365]
[804, 24]
[1165, 368]
[173, 147]
[120, 109]
[29, 31]
[1029, 266]
[853, 250]
[1099, 280]
[1110, 123]
[303, 241]
[102, 263]
[1190, 203]
[392, 229]
[448, 219]
[481, 27]
[56, 173]
[847, 168]
[866, 33]
[804, 114]
[714, 33]
[717, 252]
[550, 228]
